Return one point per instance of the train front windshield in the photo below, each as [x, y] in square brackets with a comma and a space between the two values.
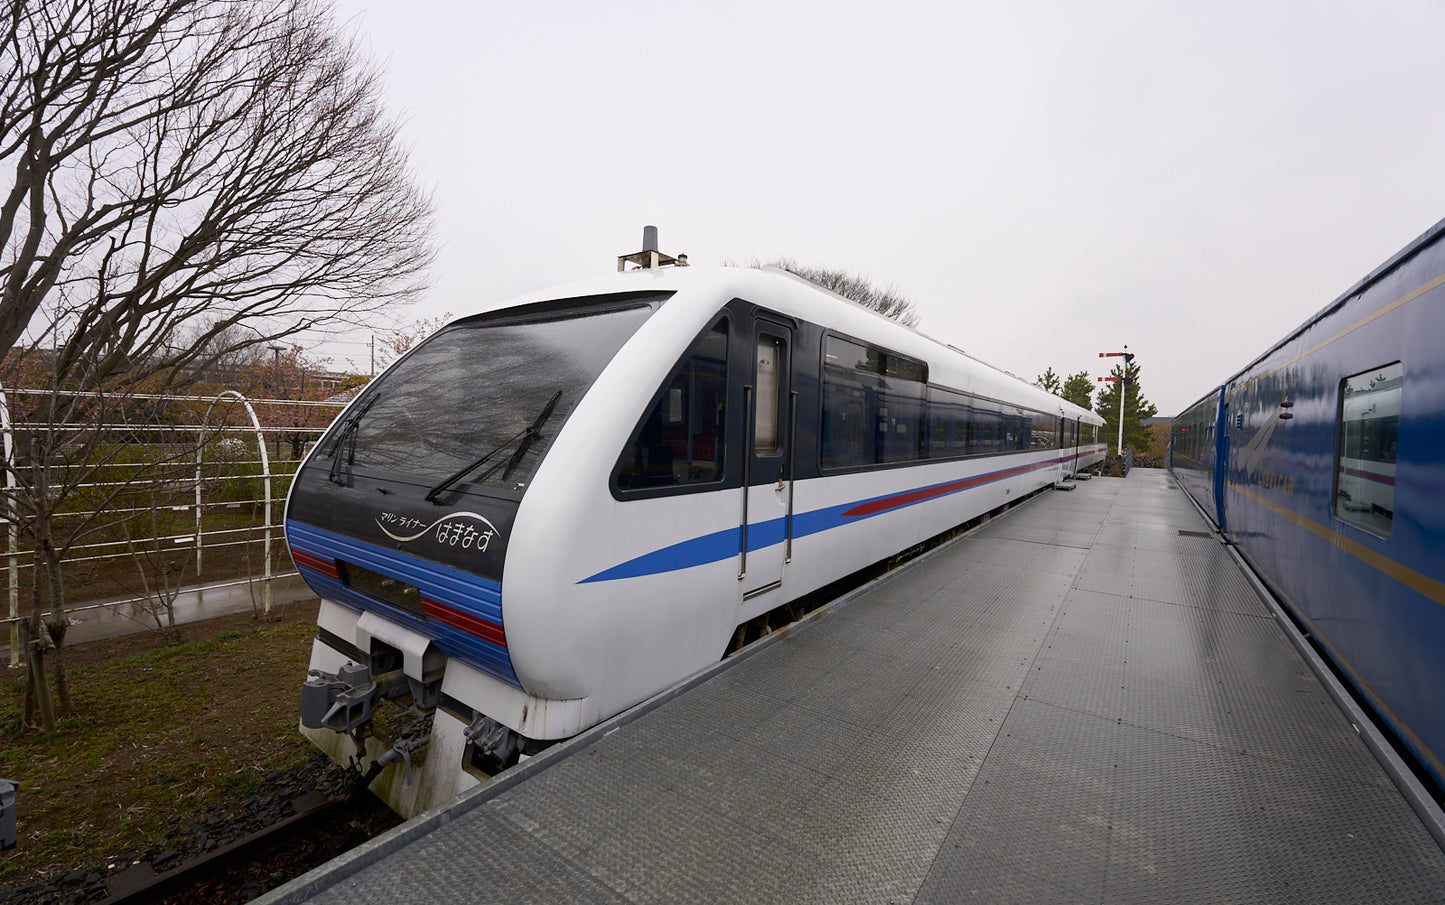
[480, 401]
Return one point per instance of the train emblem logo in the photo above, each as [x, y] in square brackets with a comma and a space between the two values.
[457, 530]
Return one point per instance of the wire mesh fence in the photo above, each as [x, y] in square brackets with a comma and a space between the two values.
[130, 500]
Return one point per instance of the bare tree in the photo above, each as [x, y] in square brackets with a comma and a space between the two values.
[395, 343]
[225, 359]
[82, 462]
[179, 159]
[887, 302]
[148, 534]
[292, 375]
[188, 178]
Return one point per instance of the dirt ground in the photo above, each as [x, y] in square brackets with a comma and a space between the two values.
[162, 732]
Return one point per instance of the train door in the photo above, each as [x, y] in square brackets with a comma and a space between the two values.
[771, 407]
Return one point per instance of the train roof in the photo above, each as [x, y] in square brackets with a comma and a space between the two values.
[1398, 260]
[807, 299]
[1402, 257]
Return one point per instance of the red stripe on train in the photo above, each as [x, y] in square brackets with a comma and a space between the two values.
[473, 625]
[327, 567]
[928, 493]
[1370, 476]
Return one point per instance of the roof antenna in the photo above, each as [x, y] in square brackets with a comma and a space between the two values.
[649, 258]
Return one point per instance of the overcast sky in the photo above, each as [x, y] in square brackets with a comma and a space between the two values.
[1046, 180]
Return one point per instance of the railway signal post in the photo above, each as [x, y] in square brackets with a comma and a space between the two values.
[1124, 388]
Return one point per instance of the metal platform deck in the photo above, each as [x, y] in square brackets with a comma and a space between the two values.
[1083, 701]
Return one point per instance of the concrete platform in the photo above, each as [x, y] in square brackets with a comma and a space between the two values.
[1084, 701]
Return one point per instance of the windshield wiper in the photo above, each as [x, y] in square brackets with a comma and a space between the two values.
[528, 436]
[347, 439]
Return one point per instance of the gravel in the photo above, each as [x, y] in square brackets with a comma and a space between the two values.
[223, 824]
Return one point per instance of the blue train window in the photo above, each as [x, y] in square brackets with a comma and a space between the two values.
[1368, 436]
[681, 440]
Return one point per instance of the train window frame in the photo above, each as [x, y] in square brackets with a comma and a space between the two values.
[1357, 498]
[898, 383]
[662, 403]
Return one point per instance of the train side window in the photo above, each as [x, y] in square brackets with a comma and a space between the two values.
[1041, 433]
[681, 440]
[769, 403]
[874, 405]
[1367, 441]
[904, 393]
[849, 391]
[989, 434]
[843, 428]
[948, 410]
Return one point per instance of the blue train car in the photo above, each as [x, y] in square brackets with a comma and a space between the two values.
[1324, 461]
[1193, 453]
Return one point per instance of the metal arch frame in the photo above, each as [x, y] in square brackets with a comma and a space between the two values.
[268, 579]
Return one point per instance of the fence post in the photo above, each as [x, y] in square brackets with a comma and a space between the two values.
[13, 526]
[200, 450]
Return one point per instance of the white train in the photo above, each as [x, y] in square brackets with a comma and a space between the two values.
[549, 512]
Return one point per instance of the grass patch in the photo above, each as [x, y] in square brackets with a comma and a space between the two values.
[162, 732]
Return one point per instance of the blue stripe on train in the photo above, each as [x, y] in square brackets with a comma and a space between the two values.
[720, 545]
[463, 591]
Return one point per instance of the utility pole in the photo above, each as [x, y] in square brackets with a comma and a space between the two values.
[276, 385]
[1123, 389]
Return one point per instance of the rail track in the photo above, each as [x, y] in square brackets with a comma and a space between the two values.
[319, 829]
